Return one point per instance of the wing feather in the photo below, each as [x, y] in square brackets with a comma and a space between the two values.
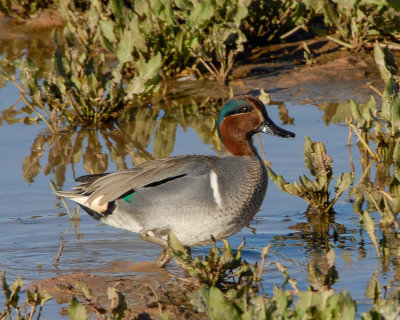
[112, 186]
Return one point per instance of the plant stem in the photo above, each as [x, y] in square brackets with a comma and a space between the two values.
[342, 43]
[289, 33]
[361, 139]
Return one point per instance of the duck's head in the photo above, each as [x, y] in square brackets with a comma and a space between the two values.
[240, 118]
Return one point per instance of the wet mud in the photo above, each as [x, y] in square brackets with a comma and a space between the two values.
[149, 295]
[333, 75]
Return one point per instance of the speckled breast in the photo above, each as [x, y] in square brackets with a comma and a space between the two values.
[243, 189]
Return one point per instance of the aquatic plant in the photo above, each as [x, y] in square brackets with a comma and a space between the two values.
[14, 113]
[79, 91]
[185, 34]
[315, 192]
[34, 299]
[118, 309]
[269, 19]
[378, 194]
[388, 308]
[229, 286]
[357, 22]
[217, 268]
[238, 296]
[241, 299]
[381, 125]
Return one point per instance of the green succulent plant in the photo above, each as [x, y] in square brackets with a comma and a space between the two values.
[35, 299]
[315, 192]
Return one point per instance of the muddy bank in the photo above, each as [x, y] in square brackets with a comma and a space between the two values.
[149, 295]
[333, 75]
[44, 21]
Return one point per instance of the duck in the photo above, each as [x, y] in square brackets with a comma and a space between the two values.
[196, 197]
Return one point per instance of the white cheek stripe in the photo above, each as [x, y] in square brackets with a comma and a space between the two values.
[215, 188]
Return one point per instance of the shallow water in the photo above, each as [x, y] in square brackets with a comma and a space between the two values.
[33, 222]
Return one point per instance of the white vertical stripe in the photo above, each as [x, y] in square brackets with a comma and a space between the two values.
[215, 188]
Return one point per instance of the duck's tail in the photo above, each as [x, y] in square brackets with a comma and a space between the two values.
[80, 195]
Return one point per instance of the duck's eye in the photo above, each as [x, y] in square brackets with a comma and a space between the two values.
[244, 109]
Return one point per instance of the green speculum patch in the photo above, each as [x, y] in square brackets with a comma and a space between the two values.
[128, 197]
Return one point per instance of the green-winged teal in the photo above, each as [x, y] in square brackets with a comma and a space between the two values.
[194, 196]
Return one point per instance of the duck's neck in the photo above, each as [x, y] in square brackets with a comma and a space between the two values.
[237, 144]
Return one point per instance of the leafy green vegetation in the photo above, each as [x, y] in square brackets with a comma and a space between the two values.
[79, 90]
[118, 309]
[181, 30]
[267, 20]
[152, 40]
[35, 300]
[217, 268]
[241, 298]
[357, 22]
[316, 192]
[186, 34]
[379, 126]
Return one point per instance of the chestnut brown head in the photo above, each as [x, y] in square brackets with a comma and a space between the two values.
[240, 118]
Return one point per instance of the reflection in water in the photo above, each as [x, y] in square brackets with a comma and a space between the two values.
[283, 112]
[130, 137]
[37, 45]
[337, 112]
[317, 237]
[322, 273]
[377, 190]
[318, 233]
